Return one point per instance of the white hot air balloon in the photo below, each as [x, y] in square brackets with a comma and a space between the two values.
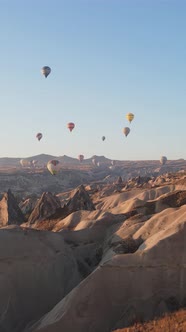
[53, 166]
[163, 160]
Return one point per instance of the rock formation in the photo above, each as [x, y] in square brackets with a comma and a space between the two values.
[80, 200]
[48, 211]
[46, 207]
[113, 256]
[10, 213]
[37, 269]
[127, 287]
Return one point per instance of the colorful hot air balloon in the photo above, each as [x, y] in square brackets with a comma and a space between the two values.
[39, 136]
[81, 158]
[163, 160]
[130, 117]
[46, 71]
[103, 138]
[70, 126]
[53, 166]
[126, 131]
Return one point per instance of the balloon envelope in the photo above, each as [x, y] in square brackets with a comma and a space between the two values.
[81, 157]
[103, 138]
[94, 161]
[39, 136]
[53, 166]
[46, 71]
[126, 131]
[25, 163]
[70, 126]
[163, 160]
[130, 116]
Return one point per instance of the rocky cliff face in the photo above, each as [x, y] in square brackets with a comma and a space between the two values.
[48, 211]
[10, 213]
[47, 206]
[127, 287]
[37, 269]
[80, 200]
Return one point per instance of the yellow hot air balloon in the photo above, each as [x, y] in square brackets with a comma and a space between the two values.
[130, 117]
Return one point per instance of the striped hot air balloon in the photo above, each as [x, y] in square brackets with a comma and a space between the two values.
[130, 117]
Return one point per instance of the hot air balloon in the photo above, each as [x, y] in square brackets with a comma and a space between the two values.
[46, 71]
[53, 166]
[130, 117]
[25, 163]
[81, 158]
[126, 131]
[163, 160]
[39, 136]
[70, 126]
[103, 138]
[34, 162]
[94, 161]
[113, 162]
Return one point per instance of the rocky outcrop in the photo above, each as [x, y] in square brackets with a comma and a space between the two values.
[127, 287]
[37, 270]
[52, 213]
[174, 199]
[45, 208]
[10, 213]
[80, 200]
[28, 205]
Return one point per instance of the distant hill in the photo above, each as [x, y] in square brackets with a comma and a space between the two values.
[44, 158]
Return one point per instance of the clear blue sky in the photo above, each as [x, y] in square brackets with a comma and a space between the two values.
[108, 58]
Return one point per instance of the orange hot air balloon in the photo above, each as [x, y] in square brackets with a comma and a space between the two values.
[70, 126]
[81, 157]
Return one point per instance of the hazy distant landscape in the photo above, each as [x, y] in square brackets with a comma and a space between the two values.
[29, 179]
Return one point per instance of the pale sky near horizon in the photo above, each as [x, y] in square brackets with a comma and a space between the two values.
[108, 58]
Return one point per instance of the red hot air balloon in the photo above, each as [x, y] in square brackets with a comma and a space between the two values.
[81, 158]
[70, 126]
